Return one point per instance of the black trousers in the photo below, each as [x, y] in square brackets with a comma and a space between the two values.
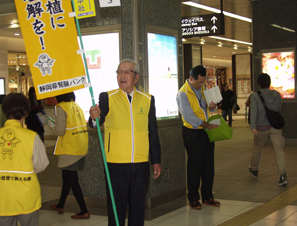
[70, 180]
[129, 183]
[200, 163]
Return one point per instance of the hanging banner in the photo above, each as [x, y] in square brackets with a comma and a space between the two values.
[50, 37]
[84, 8]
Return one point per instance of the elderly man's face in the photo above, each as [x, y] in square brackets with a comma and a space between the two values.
[226, 87]
[127, 77]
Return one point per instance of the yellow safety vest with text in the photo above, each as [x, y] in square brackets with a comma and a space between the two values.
[195, 105]
[19, 186]
[126, 127]
[75, 140]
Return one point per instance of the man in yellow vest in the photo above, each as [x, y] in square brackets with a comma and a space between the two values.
[130, 136]
[195, 111]
[22, 156]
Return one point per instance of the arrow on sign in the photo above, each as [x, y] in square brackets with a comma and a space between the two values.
[213, 19]
[214, 28]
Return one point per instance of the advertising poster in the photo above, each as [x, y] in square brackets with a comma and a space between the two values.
[280, 66]
[2, 86]
[163, 71]
[51, 43]
[243, 87]
[103, 56]
[211, 80]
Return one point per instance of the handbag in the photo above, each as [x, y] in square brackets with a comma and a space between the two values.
[223, 132]
[276, 120]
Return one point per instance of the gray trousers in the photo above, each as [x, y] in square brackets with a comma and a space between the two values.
[278, 143]
[30, 219]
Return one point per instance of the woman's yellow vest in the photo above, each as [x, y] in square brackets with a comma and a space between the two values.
[75, 140]
[195, 105]
[126, 135]
[19, 186]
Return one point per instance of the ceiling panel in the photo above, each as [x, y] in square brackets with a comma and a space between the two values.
[234, 29]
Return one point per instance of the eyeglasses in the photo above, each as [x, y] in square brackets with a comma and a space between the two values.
[126, 72]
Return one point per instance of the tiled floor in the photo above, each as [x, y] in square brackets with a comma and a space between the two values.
[237, 191]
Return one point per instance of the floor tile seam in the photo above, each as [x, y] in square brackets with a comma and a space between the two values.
[288, 217]
[156, 219]
[265, 209]
[242, 189]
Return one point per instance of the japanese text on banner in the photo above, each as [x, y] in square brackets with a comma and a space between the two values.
[51, 43]
[84, 8]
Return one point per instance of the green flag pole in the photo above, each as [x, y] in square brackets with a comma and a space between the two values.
[97, 122]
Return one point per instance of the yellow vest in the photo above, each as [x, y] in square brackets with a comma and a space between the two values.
[75, 140]
[126, 136]
[19, 186]
[194, 102]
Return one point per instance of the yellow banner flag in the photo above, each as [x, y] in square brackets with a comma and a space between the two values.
[51, 43]
[84, 8]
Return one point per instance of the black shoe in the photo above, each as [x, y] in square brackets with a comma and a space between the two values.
[254, 173]
[211, 202]
[195, 205]
[283, 180]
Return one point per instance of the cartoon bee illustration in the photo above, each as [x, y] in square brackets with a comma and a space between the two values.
[8, 141]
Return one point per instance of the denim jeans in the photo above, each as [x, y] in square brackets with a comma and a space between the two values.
[229, 112]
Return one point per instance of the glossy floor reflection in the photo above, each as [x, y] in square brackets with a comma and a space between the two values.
[234, 187]
[184, 216]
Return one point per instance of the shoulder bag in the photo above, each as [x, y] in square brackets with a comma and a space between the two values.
[276, 120]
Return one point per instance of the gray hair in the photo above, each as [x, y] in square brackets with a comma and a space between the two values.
[136, 65]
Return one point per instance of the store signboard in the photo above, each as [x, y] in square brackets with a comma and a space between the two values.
[163, 74]
[103, 56]
[280, 66]
[203, 25]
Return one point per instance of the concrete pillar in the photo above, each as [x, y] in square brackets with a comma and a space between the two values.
[134, 17]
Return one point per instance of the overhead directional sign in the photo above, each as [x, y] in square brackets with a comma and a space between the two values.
[204, 25]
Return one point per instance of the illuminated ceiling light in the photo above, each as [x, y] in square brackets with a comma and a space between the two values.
[24, 64]
[202, 41]
[284, 28]
[220, 44]
[235, 47]
[183, 39]
[16, 34]
[200, 6]
[249, 49]
[231, 40]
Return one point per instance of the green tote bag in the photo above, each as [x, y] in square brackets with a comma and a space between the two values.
[223, 132]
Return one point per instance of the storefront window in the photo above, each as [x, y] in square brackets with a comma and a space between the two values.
[19, 74]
